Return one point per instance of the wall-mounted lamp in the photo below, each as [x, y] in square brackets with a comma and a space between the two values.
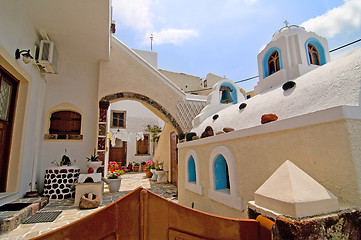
[26, 55]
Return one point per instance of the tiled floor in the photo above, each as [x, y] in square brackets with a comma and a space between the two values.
[71, 213]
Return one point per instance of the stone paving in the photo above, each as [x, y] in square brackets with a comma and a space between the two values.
[71, 213]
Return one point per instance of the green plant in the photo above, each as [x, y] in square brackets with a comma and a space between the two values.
[93, 157]
[159, 166]
[64, 161]
[136, 164]
[155, 130]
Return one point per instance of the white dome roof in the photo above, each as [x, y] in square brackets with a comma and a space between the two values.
[287, 31]
[337, 83]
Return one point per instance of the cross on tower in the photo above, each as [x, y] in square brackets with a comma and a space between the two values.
[286, 22]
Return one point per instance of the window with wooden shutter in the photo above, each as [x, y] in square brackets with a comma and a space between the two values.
[65, 122]
[143, 146]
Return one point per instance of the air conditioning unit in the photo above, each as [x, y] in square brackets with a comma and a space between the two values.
[47, 59]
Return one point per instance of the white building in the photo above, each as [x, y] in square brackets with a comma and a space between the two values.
[60, 101]
[128, 129]
[317, 104]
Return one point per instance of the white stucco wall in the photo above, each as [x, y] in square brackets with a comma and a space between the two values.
[127, 72]
[317, 129]
[334, 84]
[328, 152]
[150, 57]
[290, 41]
[18, 32]
[137, 119]
[75, 88]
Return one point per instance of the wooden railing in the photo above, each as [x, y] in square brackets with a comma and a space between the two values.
[144, 215]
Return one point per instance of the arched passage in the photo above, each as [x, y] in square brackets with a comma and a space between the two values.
[127, 76]
[155, 107]
[151, 104]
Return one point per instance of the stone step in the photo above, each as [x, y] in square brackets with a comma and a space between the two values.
[18, 211]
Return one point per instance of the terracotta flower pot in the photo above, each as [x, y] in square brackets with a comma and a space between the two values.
[135, 168]
[130, 167]
[148, 174]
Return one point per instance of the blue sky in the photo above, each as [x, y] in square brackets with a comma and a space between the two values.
[223, 37]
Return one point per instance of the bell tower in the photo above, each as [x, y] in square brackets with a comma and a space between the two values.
[292, 52]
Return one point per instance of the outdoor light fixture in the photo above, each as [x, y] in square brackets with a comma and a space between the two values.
[26, 55]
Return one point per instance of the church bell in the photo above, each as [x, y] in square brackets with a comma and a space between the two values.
[226, 94]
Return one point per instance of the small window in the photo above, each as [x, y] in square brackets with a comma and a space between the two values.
[192, 180]
[221, 173]
[313, 54]
[143, 146]
[118, 119]
[205, 83]
[191, 170]
[273, 63]
[65, 122]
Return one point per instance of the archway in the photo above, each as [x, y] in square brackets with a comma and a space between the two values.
[151, 104]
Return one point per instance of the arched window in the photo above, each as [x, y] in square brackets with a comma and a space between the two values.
[223, 182]
[313, 54]
[65, 123]
[191, 170]
[192, 179]
[316, 53]
[221, 173]
[273, 63]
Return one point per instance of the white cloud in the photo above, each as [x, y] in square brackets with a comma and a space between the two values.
[171, 35]
[134, 13]
[346, 18]
[137, 14]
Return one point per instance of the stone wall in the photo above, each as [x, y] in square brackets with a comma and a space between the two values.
[342, 225]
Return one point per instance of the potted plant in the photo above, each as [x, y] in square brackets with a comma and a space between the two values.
[93, 162]
[114, 176]
[135, 167]
[148, 166]
[130, 167]
[161, 174]
[142, 164]
[155, 130]
[154, 171]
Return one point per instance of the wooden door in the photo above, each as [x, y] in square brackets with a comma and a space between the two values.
[8, 92]
[118, 154]
[174, 158]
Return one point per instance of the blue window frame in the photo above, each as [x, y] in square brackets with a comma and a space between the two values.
[277, 64]
[221, 173]
[316, 44]
[191, 170]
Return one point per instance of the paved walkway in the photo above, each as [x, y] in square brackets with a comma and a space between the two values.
[71, 213]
